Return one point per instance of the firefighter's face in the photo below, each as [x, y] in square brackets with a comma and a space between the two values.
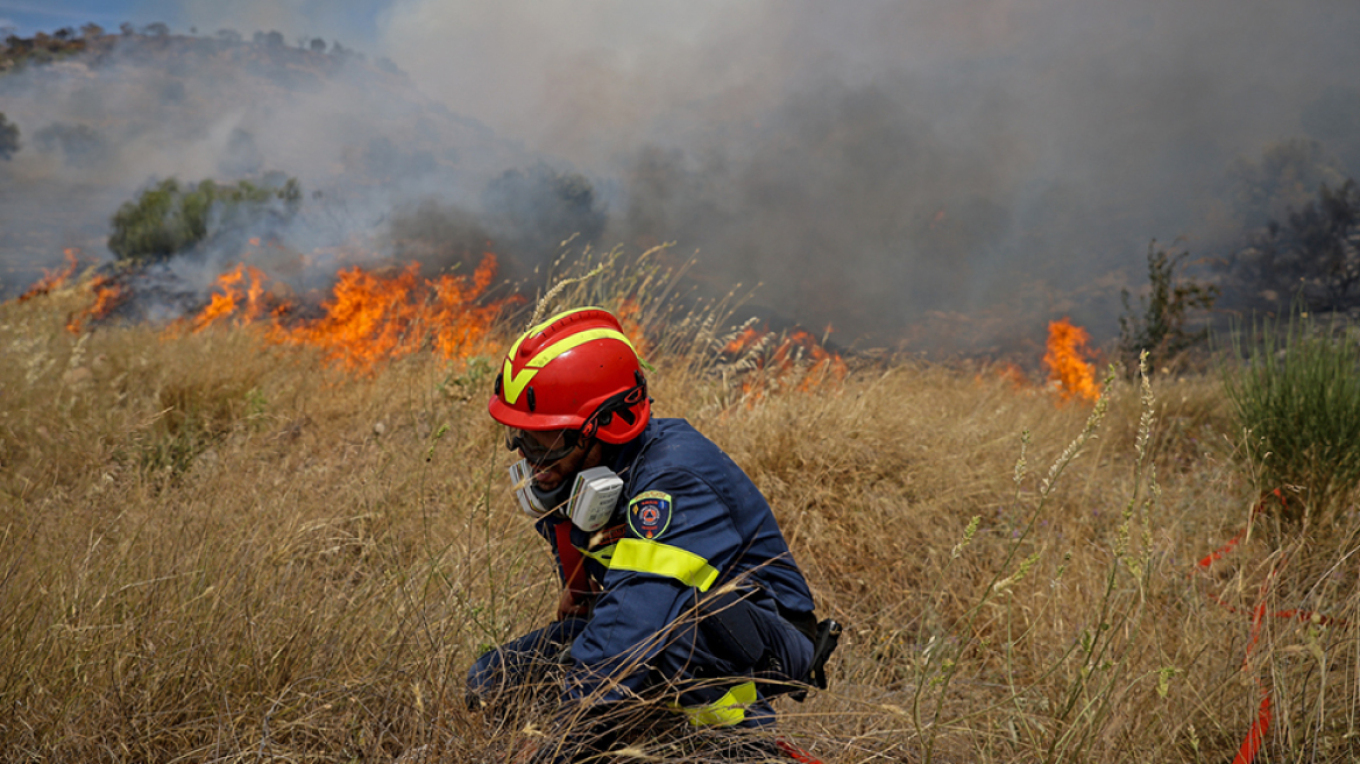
[550, 474]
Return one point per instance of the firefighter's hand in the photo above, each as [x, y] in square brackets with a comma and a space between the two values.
[569, 605]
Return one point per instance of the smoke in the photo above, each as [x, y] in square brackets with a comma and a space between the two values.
[888, 168]
[873, 162]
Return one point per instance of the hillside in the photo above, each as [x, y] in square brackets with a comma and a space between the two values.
[103, 115]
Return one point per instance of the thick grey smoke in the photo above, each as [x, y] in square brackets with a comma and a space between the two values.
[874, 161]
[896, 169]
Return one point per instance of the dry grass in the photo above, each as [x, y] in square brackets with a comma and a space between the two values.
[216, 550]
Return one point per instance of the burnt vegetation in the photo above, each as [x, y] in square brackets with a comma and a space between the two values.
[1297, 212]
[1311, 257]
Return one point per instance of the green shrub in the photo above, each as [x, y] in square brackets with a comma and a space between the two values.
[168, 218]
[1160, 330]
[1296, 394]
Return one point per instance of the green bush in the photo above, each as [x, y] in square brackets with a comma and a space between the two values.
[168, 218]
[1161, 329]
[1296, 394]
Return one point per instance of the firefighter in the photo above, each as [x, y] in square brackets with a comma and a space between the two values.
[677, 581]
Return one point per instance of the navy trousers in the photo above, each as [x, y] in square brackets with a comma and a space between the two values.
[733, 639]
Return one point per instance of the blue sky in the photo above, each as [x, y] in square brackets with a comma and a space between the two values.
[354, 22]
[47, 15]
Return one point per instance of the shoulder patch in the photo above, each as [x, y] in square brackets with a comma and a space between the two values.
[649, 514]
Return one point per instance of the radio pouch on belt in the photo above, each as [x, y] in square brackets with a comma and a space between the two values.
[823, 645]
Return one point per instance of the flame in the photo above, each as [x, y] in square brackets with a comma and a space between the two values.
[772, 359]
[108, 294]
[371, 317]
[53, 279]
[745, 340]
[1066, 348]
[1010, 373]
[630, 318]
[233, 301]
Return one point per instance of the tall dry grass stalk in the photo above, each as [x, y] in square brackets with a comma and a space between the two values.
[215, 549]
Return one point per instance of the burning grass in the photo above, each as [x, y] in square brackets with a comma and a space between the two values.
[1066, 359]
[216, 545]
[370, 318]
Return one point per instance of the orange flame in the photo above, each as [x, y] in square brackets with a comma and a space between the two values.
[370, 317]
[745, 339]
[1066, 348]
[1007, 372]
[774, 361]
[53, 279]
[108, 294]
[233, 298]
[630, 318]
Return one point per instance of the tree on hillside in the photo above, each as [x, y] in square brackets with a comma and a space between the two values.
[271, 39]
[78, 143]
[536, 209]
[9, 137]
[438, 236]
[168, 219]
[1285, 177]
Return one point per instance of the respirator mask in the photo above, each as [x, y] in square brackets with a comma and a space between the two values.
[588, 500]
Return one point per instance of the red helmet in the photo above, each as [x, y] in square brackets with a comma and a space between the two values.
[575, 371]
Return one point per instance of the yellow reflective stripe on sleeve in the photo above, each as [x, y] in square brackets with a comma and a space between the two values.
[664, 560]
[726, 711]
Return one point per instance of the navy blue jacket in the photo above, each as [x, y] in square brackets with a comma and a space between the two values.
[689, 520]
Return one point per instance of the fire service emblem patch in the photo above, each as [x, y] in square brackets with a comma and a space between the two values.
[649, 514]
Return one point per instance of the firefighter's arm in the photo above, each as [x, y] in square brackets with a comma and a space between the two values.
[679, 533]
